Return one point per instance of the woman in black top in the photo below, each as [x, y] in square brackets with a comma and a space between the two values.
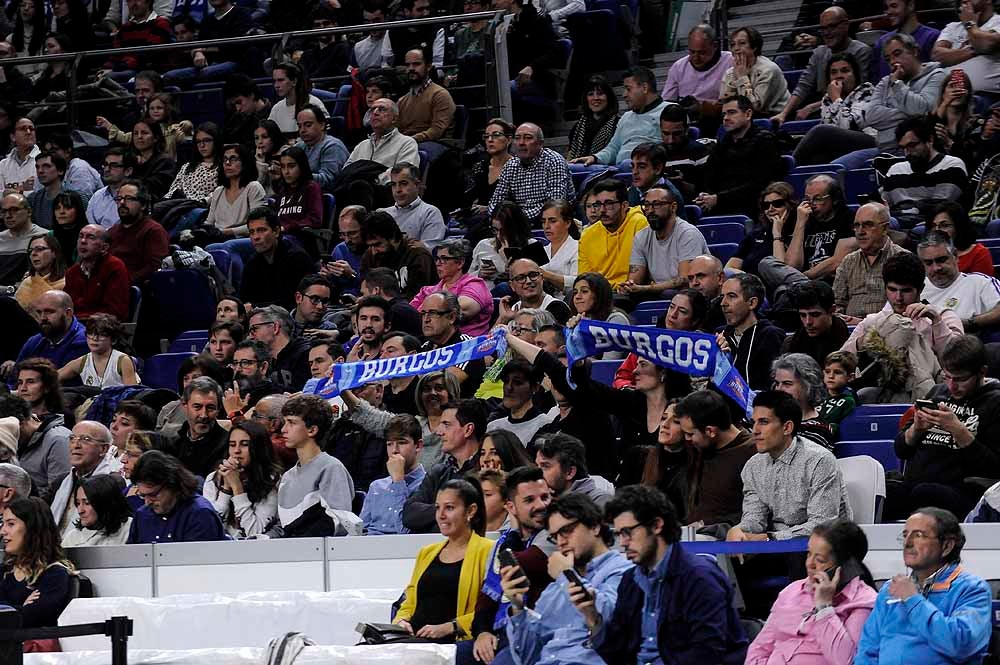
[497, 138]
[154, 168]
[69, 216]
[36, 573]
[777, 209]
[598, 119]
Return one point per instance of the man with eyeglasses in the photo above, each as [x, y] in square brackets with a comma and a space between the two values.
[563, 461]
[606, 247]
[526, 499]
[951, 438]
[251, 366]
[973, 297]
[88, 456]
[312, 298]
[527, 281]
[18, 231]
[701, 625]
[858, 286]
[138, 240]
[834, 26]
[17, 169]
[98, 282]
[927, 177]
[102, 209]
[419, 220]
[439, 314]
[386, 144]
[200, 443]
[939, 613]
[535, 176]
[272, 326]
[662, 252]
[343, 269]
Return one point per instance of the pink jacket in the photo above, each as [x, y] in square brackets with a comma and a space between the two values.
[469, 286]
[790, 638]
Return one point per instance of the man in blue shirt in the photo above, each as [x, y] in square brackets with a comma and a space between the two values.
[703, 626]
[554, 632]
[62, 337]
[344, 267]
[382, 512]
[102, 209]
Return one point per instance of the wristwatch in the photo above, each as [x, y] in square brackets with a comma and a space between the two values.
[454, 627]
[969, 25]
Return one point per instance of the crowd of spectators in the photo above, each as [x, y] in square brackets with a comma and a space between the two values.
[828, 302]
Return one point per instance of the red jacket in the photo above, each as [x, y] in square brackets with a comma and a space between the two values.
[151, 31]
[142, 247]
[104, 292]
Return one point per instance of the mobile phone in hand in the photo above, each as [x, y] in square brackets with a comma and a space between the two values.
[507, 558]
[926, 404]
[575, 578]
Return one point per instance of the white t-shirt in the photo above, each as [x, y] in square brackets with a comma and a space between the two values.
[983, 70]
[284, 114]
[969, 295]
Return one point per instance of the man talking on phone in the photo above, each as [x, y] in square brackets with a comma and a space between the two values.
[954, 435]
[555, 632]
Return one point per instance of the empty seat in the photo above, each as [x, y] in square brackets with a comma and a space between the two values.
[727, 232]
[160, 371]
[724, 251]
[865, 480]
[184, 301]
[722, 219]
[881, 450]
[874, 426]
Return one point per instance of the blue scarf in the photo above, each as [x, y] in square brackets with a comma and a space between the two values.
[696, 354]
[347, 376]
[491, 583]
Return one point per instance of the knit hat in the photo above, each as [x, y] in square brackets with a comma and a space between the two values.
[10, 431]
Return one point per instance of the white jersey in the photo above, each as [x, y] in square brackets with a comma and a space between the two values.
[969, 295]
[112, 376]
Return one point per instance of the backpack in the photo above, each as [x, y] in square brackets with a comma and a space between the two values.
[102, 408]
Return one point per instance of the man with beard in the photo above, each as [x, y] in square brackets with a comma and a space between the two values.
[344, 267]
[372, 320]
[277, 266]
[138, 240]
[311, 300]
[662, 252]
[563, 461]
[427, 111]
[382, 282]
[251, 364]
[62, 337]
[272, 326]
[200, 443]
[913, 188]
[526, 498]
[97, 282]
[388, 247]
[974, 297]
[526, 281]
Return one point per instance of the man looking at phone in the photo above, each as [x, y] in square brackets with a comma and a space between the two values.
[954, 435]
[555, 631]
[702, 625]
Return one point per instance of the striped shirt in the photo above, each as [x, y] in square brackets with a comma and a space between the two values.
[858, 288]
[910, 194]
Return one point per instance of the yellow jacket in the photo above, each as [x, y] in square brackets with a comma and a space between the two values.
[477, 555]
[609, 253]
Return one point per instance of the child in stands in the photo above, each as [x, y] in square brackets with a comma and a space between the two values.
[838, 370]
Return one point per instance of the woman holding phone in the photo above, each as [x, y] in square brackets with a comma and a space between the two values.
[818, 620]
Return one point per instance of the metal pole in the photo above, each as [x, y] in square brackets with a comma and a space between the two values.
[497, 47]
[119, 630]
[11, 651]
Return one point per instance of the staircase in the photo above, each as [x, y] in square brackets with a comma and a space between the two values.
[769, 16]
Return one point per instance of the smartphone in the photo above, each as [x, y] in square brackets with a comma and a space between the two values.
[507, 558]
[956, 78]
[490, 263]
[575, 578]
[926, 404]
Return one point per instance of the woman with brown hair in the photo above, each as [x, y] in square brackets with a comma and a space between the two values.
[777, 212]
[46, 270]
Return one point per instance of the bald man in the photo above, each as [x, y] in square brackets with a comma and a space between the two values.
[858, 288]
[526, 280]
[88, 456]
[98, 282]
[538, 174]
[386, 145]
[62, 337]
[706, 275]
[833, 29]
[18, 230]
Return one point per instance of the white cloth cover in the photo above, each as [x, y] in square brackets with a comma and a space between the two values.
[216, 621]
[395, 654]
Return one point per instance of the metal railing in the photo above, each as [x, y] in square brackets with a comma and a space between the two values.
[12, 636]
[497, 89]
[923, 13]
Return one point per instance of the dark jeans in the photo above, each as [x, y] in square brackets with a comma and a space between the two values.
[825, 143]
[463, 650]
[903, 497]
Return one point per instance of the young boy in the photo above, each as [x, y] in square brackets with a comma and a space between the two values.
[838, 370]
[315, 495]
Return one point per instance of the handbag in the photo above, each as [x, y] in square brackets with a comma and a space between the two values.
[386, 633]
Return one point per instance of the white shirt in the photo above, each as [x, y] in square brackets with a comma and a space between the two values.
[565, 262]
[14, 172]
[969, 295]
[283, 114]
[983, 69]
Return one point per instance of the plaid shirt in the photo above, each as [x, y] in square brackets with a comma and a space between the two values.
[530, 185]
[858, 288]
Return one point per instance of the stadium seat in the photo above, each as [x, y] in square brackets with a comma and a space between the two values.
[995, 253]
[603, 371]
[343, 97]
[134, 305]
[200, 106]
[724, 219]
[792, 78]
[864, 410]
[727, 232]
[160, 371]
[193, 334]
[820, 168]
[859, 181]
[652, 304]
[224, 262]
[624, 176]
[328, 235]
[989, 242]
[869, 37]
[865, 480]
[869, 426]
[993, 229]
[184, 301]
[787, 164]
[692, 213]
[647, 317]
[880, 450]
[799, 127]
[724, 251]
[460, 124]
[188, 345]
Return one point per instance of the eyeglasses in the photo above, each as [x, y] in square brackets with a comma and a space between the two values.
[867, 225]
[562, 532]
[815, 199]
[597, 205]
[149, 495]
[125, 198]
[112, 165]
[89, 440]
[253, 327]
[776, 203]
[906, 536]
[431, 313]
[242, 364]
[317, 300]
[655, 205]
[518, 330]
[625, 533]
[231, 159]
[441, 259]
[39, 250]
[493, 135]
[526, 277]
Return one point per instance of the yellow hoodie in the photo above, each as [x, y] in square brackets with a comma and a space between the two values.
[609, 253]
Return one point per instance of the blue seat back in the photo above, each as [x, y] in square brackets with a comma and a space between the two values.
[184, 300]
[874, 426]
[723, 219]
[160, 371]
[727, 232]
[188, 345]
[692, 213]
[859, 181]
[603, 371]
[881, 450]
[799, 127]
[724, 251]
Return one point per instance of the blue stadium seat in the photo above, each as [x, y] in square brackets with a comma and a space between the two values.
[787, 164]
[224, 262]
[727, 232]
[724, 251]
[160, 371]
[652, 304]
[425, 163]
[993, 229]
[200, 106]
[603, 371]
[995, 253]
[184, 301]
[188, 345]
[799, 127]
[188, 334]
[869, 426]
[881, 450]
[624, 176]
[460, 123]
[819, 168]
[859, 181]
[989, 242]
[725, 219]
[692, 213]
[343, 97]
[134, 305]
[863, 410]
[694, 133]
[792, 78]
[648, 317]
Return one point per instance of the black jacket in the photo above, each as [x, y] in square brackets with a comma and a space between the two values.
[275, 282]
[818, 348]
[531, 40]
[203, 456]
[290, 369]
[737, 171]
[418, 511]
[759, 346]
[363, 453]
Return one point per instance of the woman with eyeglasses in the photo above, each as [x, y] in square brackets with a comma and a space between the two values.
[497, 138]
[473, 294]
[104, 366]
[777, 212]
[238, 193]
[46, 271]
[511, 240]
[818, 620]
[199, 177]
[244, 489]
[951, 218]
[105, 516]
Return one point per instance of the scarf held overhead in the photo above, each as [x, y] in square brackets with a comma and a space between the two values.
[695, 354]
[347, 376]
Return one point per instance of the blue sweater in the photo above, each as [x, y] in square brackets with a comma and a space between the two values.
[950, 624]
[633, 128]
[192, 520]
